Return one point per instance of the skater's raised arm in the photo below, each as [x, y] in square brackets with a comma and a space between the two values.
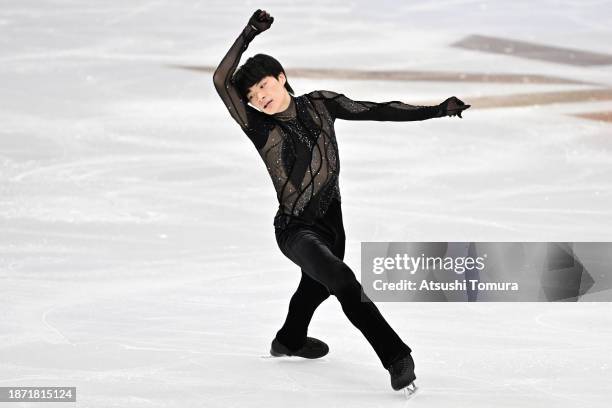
[342, 107]
[222, 78]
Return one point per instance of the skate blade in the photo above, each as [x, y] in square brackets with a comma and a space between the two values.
[410, 390]
[276, 356]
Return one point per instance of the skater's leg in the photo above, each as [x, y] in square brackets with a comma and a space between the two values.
[310, 293]
[308, 296]
[306, 248]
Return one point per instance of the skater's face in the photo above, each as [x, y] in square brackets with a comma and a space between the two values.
[269, 95]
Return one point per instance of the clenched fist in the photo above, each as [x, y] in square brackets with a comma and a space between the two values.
[261, 20]
[453, 106]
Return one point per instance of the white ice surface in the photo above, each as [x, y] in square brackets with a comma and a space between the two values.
[137, 254]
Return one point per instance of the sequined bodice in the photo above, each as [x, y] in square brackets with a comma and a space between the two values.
[301, 156]
[298, 145]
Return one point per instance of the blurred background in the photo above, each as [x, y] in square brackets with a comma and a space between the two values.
[138, 260]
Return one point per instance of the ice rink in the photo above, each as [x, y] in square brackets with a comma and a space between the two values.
[137, 252]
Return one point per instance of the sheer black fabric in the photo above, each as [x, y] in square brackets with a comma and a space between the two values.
[299, 144]
[319, 251]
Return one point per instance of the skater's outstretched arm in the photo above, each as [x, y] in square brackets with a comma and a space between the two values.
[222, 78]
[342, 107]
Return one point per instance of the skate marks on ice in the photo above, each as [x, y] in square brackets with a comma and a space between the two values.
[364, 384]
[443, 390]
[322, 382]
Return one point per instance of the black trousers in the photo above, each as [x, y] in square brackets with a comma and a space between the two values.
[319, 251]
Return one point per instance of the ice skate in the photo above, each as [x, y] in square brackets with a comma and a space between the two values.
[402, 375]
[410, 390]
[313, 348]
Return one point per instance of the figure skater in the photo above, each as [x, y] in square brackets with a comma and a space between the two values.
[296, 140]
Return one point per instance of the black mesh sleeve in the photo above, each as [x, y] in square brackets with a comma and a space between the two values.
[342, 107]
[246, 116]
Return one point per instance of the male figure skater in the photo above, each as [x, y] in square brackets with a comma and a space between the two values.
[295, 137]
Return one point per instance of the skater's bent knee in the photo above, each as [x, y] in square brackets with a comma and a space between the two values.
[344, 282]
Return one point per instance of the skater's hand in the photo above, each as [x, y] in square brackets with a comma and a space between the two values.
[453, 106]
[261, 20]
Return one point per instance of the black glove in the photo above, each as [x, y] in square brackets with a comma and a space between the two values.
[261, 20]
[453, 106]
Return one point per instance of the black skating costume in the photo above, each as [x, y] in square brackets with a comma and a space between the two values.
[299, 149]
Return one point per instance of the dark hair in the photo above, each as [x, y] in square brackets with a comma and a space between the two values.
[254, 70]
